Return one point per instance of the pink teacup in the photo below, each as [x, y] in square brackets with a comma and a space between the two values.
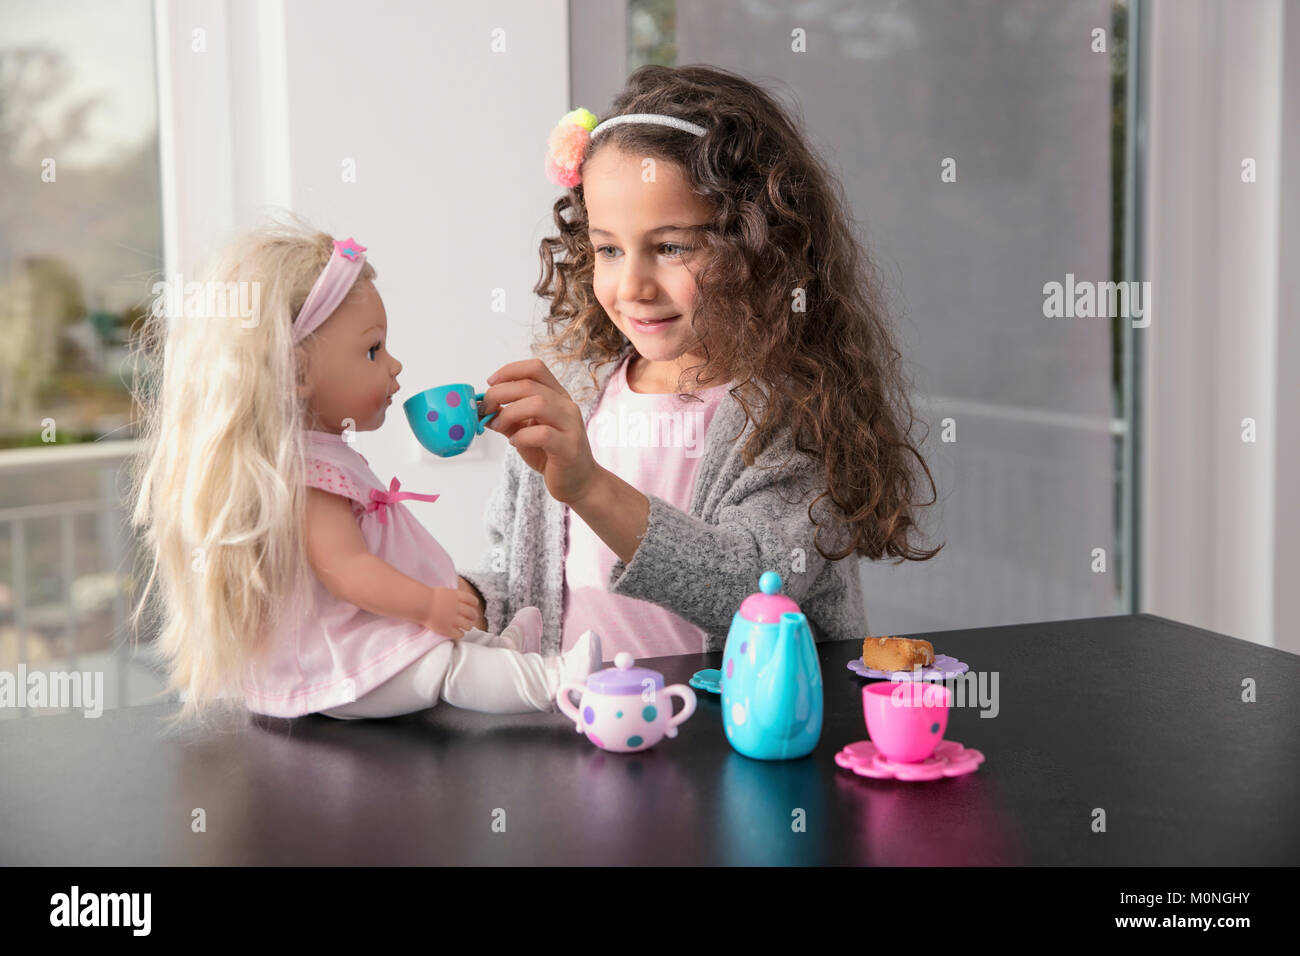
[906, 720]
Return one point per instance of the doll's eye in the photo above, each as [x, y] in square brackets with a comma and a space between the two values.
[372, 349]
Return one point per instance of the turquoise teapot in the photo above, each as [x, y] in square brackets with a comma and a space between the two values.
[771, 679]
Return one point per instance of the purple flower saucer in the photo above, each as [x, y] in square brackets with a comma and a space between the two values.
[944, 668]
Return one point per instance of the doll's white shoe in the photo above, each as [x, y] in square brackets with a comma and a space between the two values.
[524, 630]
[575, 664]
[583, 658]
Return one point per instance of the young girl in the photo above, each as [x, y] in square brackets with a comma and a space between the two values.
[705, 284]
[292, 577]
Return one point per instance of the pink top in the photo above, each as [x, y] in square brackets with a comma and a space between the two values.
[342, 651]
[654, 443]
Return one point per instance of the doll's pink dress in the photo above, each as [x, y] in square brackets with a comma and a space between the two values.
[339, 652]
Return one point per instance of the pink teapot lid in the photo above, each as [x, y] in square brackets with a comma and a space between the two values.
[767, 606]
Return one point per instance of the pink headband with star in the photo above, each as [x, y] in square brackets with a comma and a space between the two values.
[330, 288]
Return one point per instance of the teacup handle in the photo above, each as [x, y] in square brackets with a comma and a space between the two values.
[688, 707]
[566, 704]
[478, 397]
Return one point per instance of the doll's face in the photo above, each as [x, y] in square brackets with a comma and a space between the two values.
[643, 240]
[350, 377]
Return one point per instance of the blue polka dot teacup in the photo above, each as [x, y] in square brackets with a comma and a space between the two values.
[624, 708]
[446, 419]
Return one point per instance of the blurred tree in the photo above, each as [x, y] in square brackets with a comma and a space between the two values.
[38, 300]
[82, 251]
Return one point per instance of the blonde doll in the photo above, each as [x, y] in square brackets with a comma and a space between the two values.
[291, 576]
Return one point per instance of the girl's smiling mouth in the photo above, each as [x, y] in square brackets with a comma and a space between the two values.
[653, 325]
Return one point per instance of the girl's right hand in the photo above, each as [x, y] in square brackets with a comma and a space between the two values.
[454, 612]
[545, 425]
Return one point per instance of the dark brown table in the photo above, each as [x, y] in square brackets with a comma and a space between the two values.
[1138, 716]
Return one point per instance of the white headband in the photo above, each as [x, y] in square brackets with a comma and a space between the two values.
[566, 147]
[653, 118]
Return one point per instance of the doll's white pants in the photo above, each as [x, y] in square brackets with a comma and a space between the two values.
[481, 672]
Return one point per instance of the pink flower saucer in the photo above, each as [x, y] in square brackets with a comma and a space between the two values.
[950, 759]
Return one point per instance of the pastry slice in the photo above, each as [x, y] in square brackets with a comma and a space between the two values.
[896, 653]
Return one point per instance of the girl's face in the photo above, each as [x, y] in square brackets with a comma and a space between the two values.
[643, 237]
[351, 375]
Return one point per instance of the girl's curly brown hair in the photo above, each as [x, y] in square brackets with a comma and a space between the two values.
[778, 226]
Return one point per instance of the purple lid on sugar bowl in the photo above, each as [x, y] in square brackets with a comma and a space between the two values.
[623, 678]
[767, 606]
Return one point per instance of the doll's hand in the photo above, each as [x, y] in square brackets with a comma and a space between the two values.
[480, 610]
[454, 612]
[545, 425]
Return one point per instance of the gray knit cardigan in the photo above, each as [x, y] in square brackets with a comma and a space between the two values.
[700, 565]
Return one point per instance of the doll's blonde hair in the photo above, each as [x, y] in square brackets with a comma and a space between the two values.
[220, 488]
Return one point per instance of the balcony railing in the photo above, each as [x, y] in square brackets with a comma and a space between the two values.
[70, 593]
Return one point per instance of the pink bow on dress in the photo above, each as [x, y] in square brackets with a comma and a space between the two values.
[379, 500]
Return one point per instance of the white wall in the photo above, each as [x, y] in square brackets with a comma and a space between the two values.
[450, 198]
[1222, 88]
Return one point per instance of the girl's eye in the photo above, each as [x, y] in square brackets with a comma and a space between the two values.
[372, 349]
[672, 250]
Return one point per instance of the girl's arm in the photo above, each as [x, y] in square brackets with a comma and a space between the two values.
[703, 570]
[616, 511]
[338, 554]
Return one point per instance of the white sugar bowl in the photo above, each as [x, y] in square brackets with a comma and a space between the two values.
[623, 708]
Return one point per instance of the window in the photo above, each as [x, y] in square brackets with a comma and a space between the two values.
[80, 248]
[1034, 491]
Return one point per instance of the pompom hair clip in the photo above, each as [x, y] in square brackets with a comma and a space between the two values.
[566, 147]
